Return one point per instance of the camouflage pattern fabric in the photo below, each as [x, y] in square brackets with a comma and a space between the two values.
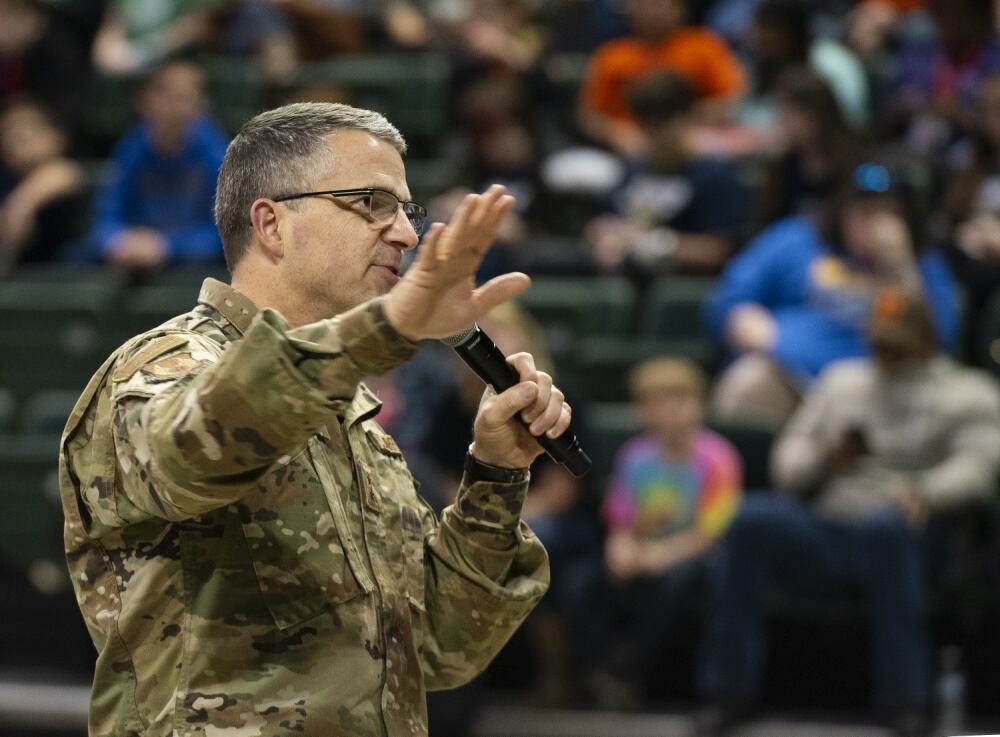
[249, 550]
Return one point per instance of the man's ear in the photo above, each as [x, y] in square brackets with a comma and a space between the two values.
[265, 216]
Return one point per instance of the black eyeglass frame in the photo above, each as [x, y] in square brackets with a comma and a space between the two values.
[417, 220]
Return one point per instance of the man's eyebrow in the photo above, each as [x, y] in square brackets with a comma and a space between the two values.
[383, 188]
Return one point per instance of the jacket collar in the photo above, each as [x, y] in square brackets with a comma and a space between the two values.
[240, 311]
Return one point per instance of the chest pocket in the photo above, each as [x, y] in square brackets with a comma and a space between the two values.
[304, 555]
[392, 490]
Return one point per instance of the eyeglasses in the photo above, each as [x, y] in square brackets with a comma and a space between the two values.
[380, 205]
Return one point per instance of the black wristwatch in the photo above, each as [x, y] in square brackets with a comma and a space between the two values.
[477, 470]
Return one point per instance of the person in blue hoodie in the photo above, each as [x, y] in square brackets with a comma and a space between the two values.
[154, 208]
[798, 296]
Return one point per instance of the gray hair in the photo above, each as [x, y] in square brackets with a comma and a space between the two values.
[276, 153]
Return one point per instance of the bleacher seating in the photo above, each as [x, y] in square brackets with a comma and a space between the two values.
[571, 309]
[56, 326]
[411, 90]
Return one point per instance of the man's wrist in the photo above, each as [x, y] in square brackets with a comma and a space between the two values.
[480, 470]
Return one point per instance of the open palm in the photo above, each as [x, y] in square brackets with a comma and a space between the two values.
[438, 297]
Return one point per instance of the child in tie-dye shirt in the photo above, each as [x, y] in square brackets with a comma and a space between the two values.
[673, 492]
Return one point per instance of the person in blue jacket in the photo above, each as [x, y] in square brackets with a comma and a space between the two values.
[155, 206]
[798, 296]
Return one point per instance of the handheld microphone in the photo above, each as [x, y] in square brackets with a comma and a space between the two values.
[482, 356]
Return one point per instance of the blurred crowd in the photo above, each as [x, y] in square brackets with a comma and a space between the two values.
[833, 168]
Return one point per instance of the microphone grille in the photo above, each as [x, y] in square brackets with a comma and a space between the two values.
[460, 337]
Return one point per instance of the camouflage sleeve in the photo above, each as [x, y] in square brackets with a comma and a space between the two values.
[195, 432]
[486, 570]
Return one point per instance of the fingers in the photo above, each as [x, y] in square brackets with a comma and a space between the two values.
[498, 290]
[525, 365]
[562, 424]
[508, 403]
[427, 253]
[549, 413]
[475, 221]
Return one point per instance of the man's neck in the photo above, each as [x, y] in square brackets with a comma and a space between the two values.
[266, 290]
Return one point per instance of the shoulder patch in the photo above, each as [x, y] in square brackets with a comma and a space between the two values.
[154, 350]
[171, 367]
[384, 442]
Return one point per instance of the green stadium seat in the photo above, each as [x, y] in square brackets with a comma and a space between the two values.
[609, 425]
[410, 89]
[673, 307]
[572, 308]
[753, 442]
[988, 343]
[55, 330]
[428, 178]
[110, 109]
[151, 305]
[190, 276]
[235, 89]
[8, 409]
[31, 518]
[598, 367]
[45, 413]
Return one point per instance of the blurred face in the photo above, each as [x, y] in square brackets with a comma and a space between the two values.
[174, 98]
[896, 353]
[669, 413]
[860, 221]
[769, 41]
[956, 24]
[989, 97]
[796, 126]
[335, 257]
[27, 139]
[655, 18]
[22, 25]
[669, 136]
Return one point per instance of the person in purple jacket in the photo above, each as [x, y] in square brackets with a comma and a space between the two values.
[155, 206]
[798, 296]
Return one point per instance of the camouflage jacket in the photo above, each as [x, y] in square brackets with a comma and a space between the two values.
[248, 547]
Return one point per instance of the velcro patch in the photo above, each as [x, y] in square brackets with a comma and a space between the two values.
[171, 367]
[385, 443]
[154, 350]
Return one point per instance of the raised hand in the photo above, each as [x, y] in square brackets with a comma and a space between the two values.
[438, 297]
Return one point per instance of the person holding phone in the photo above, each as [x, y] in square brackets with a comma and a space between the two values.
[877, 445]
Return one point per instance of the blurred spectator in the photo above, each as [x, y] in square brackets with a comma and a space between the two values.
[136, 35]
[668, 213]
[42, 192]
[798, 297]
[877, 445]
[257, 28]
[815, 148]
[972, 207]
[661, 39]
[41, 57]
[873, 22]
[286, 32]
[155, 207]
[935, 87]
[672, 493]
[781, 39]
[500, 32]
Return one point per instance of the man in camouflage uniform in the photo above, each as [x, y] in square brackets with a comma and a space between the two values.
[247, 546]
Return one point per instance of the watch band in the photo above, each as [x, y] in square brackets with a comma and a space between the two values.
[477, 470]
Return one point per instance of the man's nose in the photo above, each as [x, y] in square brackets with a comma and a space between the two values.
[401, 233]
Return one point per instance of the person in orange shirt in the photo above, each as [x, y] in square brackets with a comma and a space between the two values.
[661, 40]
